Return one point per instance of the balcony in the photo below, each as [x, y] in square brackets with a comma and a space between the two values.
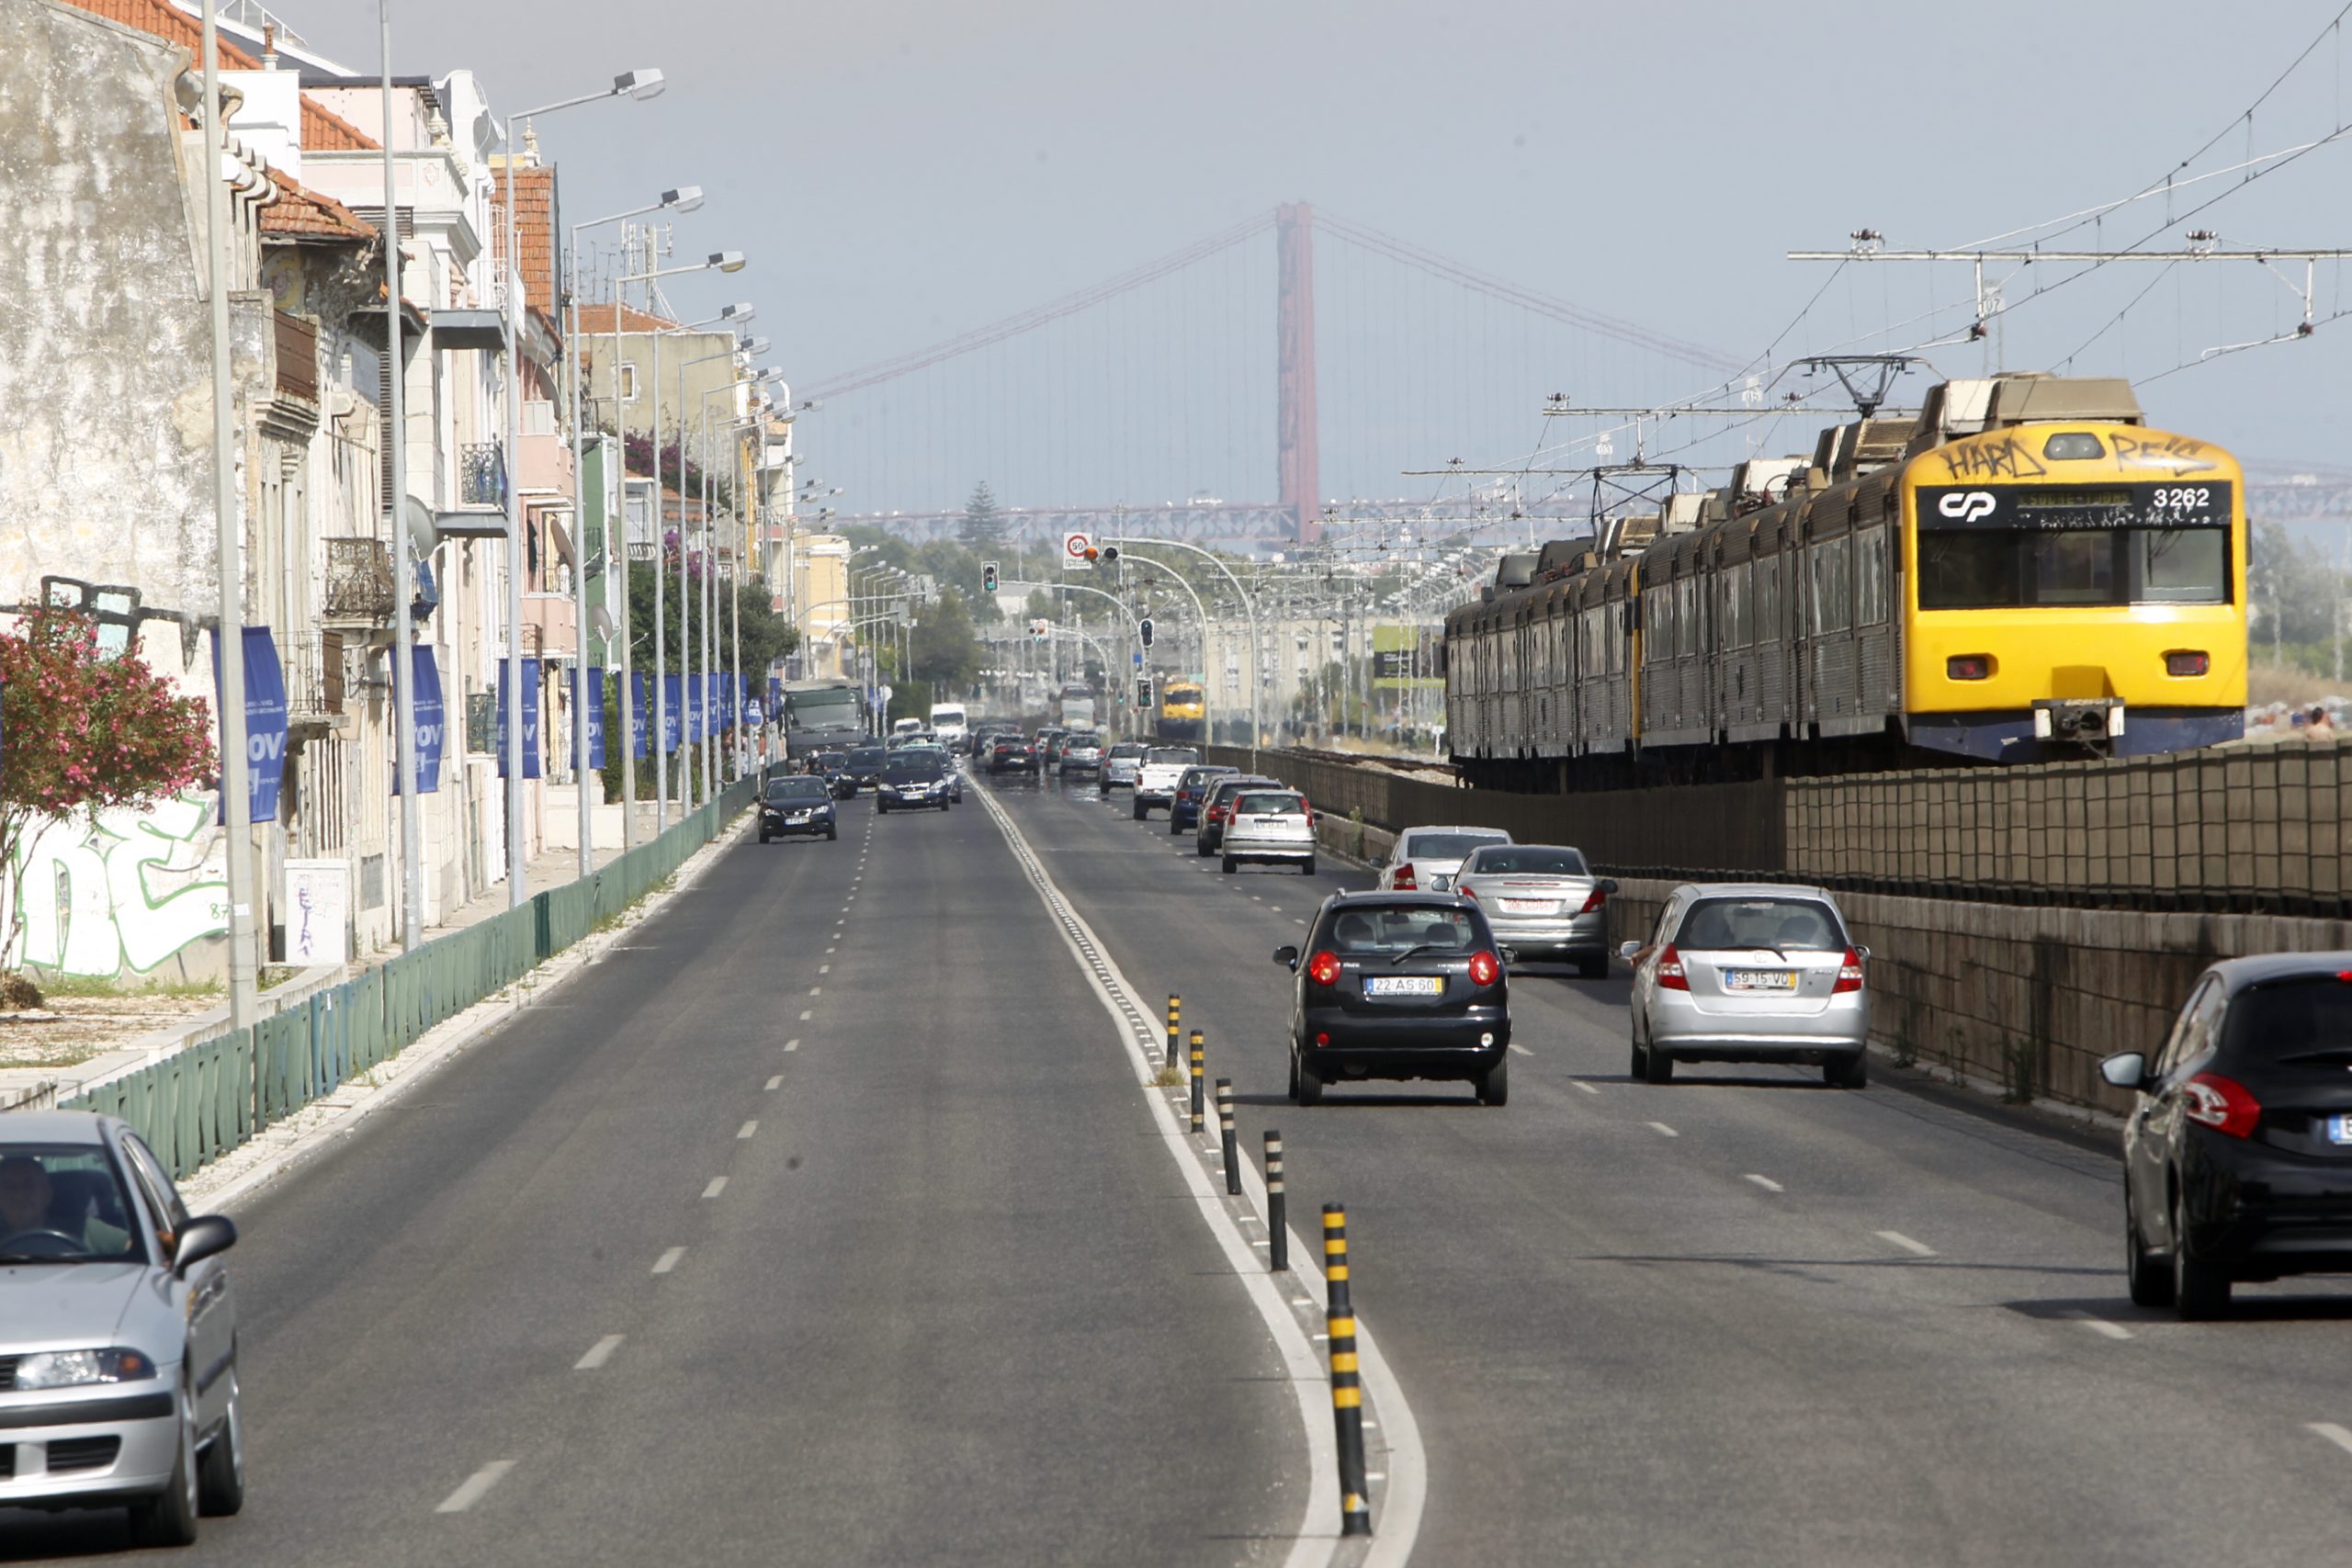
[549, 630]
[481, 493]
[314, 681]
[359, 584]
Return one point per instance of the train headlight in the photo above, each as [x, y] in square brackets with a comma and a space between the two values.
[1969, 667]
[2187, 661]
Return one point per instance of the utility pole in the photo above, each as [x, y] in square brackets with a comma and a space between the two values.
[396, 511]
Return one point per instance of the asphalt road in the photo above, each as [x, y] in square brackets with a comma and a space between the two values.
[1742, 1318]
[825, 1225]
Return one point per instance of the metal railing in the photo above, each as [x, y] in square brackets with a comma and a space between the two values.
[481, 474]
[213, 1095]
[359, 581]
[313, 668]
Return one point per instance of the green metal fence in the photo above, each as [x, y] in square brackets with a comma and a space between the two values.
[213, 1094]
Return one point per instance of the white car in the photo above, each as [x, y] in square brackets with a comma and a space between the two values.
[1426, 860]
[1156, 780]
[1750, 972]
[1270, 825]
[1120, 765]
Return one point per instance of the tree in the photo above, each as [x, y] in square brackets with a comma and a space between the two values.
[983, 528]
[767, 636]
[85, 732]
[945, 653]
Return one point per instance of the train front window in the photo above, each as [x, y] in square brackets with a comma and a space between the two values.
[2073, 567]
[1999, 568]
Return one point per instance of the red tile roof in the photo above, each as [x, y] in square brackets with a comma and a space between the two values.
[597, 317]
[321, 127]
[323, 130]
[302, 214]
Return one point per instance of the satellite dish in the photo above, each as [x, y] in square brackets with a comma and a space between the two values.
[424, 535]
[602, 620]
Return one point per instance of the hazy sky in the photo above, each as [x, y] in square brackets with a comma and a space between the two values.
[901, 173]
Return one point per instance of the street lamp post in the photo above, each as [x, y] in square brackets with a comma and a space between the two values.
[1247, 608]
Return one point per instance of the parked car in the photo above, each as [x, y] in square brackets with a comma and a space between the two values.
[914, 781]
[1012, 753]
[1426, 859]
[1156, 780]
[118, 1332]
[1543, 902]
[862, 770]
[1270, 825]
[1082, 754]
[1191, 789]
[797, 807]
[1750, 973]
[1209, 831]
[1120, 765]
[2237, 1156]
[1398, 985]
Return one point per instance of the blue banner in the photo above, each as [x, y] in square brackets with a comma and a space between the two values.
[593, 708]
[673, 719]
[530, 704]
[724, 708]
[776, 698]
[637, 715]
[430, 726]
[264, 723]
[693, 709]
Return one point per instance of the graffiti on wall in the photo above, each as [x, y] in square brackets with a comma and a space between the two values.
[120, 891]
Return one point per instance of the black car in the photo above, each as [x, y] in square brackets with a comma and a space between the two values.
[912, 783]
[862, 769]
[1398, 985]
[2237, 1158]
[1012, 753]
[801, 804]
[1192, 793]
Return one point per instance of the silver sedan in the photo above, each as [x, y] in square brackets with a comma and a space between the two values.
[118, 1333]
[1542, 901]
[1750, 973]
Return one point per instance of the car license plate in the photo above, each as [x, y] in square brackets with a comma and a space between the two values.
[1529, 907]
[2339, 1129]
[1404, 986]
[1759, 979]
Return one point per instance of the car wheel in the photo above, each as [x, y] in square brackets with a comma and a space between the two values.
[2199, 1290]
[763, 838]
[1641, 1067]
[882, 808]
[221, 1473]
[1657, 1067]
[1171, 823]
[1307, 866]
[1593, 968]
[1229, 865]
[1201, 847]
[1309, 1090]
[831, 834]
[2150, 1282]
[168, 1519]
[1494, 1084]
[1847, 1072]
[1139, 810]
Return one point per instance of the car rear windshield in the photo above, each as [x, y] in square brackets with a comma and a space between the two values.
[62, 1203]
[1126, 749]
[1269, 804]
[1167, 755]
[867, 756]
[1526, 859]
[1365, 930]
[1791, 925]
[2282, 1020]
[798, 789]
[1445, 846]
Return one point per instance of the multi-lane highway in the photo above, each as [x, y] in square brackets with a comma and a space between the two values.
[825, 1222]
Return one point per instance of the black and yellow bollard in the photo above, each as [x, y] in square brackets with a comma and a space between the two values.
[1347, 1383]
[1199, 1117]
[1277, 1206]
[1175, 1012]
[1225, 1132]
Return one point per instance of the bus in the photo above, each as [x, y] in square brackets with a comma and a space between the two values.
[1181, 706]
[822, 715]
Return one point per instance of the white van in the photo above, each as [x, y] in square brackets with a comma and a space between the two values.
[947, 723]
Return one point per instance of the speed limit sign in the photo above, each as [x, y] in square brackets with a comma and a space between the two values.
[1078, 552]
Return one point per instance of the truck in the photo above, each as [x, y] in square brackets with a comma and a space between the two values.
[822, 716]
[1074, 708]
[948, 724]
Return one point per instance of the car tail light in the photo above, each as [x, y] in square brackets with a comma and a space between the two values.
[1850, 973]
[1485, 969]
[2211, 1101]
[2184, 661]
[1324, 968]
[1594, 900]
[1669, 971]
[1469, 893]
[1969, 666]
[1405, 883]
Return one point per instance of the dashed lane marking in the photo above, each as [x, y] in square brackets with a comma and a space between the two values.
[2332, 1432]
[825, 968]
[1580, 1084]
[718, 1184]
[1663, 1130]
[792, 1044]
[475, 1487]
[806, 1014]
[1766, 1182]
[1897, 1238]
[816, 990]
[2100, 1326]
[746, 1130]
[668, 1260]
[598, 1354]
[1521, 1050]
[776, 1083]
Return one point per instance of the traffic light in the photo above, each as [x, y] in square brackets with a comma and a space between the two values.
[1143, 630]
[988, 576]
[1109, 553]
[1036, 631]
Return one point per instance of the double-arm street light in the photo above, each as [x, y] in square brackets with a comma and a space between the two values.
[1248, 609]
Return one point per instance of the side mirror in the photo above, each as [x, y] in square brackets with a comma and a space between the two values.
[1862, 953]
[1627, 949]
[1608, 885]
[2127, 1070]
[1509, 955]
[1286, 956]
[202, 1238]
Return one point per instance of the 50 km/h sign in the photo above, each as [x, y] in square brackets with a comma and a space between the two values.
[1078, 552]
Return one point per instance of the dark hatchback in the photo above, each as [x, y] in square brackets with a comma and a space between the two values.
[2238, 1154]
[913, 783]
[1012, 754]
[1398, 985]
[862, 769]
[1192, 793]
[802, 806]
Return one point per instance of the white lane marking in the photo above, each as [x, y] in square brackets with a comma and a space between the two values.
[825, 968]
[2100, 1326]
[806, 1014]
[1663, 1130]
[598, 1354]
[718, 1184]
[746, 1130]
[1273, 908]
[1897, 1238]
[1295, 921]
[831, 950]
[1766, 1182]
[816, 990]
[792, 1044]
[475, 1487]
[2332, 1432]
[668, 1260]
[1520, 1049]
[1579, 1083]
[1257, 897]
[776, 1083]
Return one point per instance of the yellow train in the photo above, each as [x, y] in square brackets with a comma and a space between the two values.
[1182, 707]
[2024, 571]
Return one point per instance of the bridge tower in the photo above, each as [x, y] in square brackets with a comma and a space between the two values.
[1296, 458]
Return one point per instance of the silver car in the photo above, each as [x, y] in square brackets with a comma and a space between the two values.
[118, 1332]
[1082, 754]
[1424, 859]
[1542, 901]
[1750, 973]
[1121, 763]
[1270, 825]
